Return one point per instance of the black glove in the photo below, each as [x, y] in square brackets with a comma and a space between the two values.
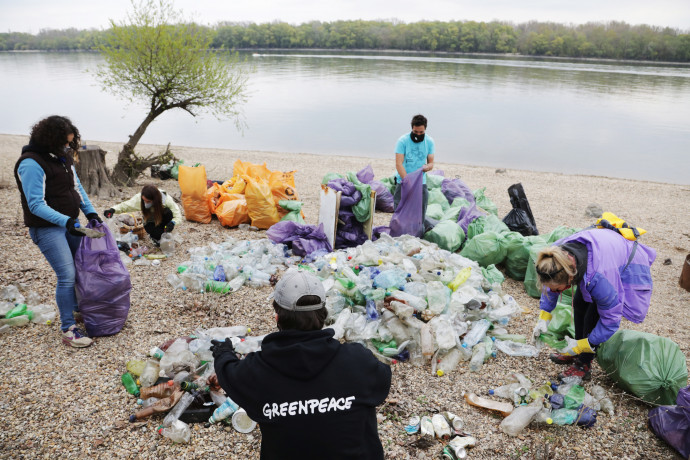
[108, 213]
[94, 216]
[72, 225]
[219, 348]
[169, 226]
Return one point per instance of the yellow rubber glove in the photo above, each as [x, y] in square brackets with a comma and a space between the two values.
[542, 324]
[575, 347]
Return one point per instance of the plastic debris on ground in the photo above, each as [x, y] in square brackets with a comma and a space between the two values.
[171, 383]
[18, 310]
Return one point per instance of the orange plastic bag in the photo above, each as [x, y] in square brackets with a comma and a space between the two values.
[260, 203]
[242, 168]
[192, 181]
[234, 185]
[233, 211]
[213, 195]
[196, 209]
[283, 188]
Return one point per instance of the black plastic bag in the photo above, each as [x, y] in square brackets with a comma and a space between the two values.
[520, 218]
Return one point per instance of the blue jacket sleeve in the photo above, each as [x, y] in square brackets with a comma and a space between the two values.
[609, 307]
[548, 300]
[85, 205]
[33, 180]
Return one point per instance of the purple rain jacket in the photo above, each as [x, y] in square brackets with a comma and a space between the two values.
[615, 291]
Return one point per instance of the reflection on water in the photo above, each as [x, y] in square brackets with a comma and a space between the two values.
[606, 118]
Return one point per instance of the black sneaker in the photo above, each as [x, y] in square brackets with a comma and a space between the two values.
[560, 358]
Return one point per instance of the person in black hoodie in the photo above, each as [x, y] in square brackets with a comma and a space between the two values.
[312, 396]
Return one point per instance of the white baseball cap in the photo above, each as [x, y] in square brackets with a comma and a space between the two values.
[294, 285]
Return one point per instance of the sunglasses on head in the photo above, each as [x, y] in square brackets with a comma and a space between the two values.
[549, 275]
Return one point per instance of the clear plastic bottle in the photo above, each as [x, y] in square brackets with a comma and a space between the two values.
[236, 283]
[449, 362]
[444, 333]
[178, 432]
[175, 281]
[438, 296]
[341, 321]
[181, 406]
[415, 302]
[144, 403]
[517, 348]
[427, 342]
[476, 333]
[426, 427]
[505, 391]
[223, 411]
[150, 373]
[478, 355]
[396, 327]
[17, 321]
[390, 278]
[513, 424]
[156, 353]
[402, 309]
[167, 244]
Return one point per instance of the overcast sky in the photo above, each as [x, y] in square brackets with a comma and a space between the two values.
[34, 15]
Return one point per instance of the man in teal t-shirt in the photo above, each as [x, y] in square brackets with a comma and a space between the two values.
[413, 151]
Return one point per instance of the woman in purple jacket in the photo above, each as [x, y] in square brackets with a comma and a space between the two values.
[613, 280]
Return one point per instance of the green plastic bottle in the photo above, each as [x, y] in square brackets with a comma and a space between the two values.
[574, 398]
[17, 311]
[564, 416]
[129, 384]
[220, 287]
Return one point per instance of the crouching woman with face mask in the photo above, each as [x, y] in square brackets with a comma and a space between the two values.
[158, 208]
[613, 280]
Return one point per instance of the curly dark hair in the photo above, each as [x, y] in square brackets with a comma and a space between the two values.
[418, 120]
[51, 134]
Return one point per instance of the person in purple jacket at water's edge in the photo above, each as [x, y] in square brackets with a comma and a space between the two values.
[613, 280]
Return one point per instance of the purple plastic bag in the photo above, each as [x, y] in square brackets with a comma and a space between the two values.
[467, 215]
[453, 188]
[672, 423]
[350, 231]
[349, 194]
[102, 283]
[304, 239]
[366, 175]
[384, 198]
[407, 218]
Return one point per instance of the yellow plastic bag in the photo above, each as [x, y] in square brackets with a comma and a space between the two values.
[234, 185]
[283, 188]
[242, 168]
[260, 203]
[609, 219]
[193, 181]
[233, 211]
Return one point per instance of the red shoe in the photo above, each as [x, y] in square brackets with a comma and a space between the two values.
[577, 370]
[559, 358]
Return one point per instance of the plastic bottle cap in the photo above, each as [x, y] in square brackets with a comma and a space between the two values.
[170, 383]
[132, 418]
[491, 392]
[549, 420]
[464, 345]
[249, 329]
[439, 373]
[394, 361]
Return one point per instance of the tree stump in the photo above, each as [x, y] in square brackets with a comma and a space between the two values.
[92, 172]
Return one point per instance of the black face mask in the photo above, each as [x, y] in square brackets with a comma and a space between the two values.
[416, 138]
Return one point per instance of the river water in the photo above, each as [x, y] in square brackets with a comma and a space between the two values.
[604, 118]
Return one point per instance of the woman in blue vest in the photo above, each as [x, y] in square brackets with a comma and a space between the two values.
[52, 197]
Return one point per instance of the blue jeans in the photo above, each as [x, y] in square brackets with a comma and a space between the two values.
[59, 247]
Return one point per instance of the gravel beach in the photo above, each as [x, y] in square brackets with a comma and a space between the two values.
[59, 402]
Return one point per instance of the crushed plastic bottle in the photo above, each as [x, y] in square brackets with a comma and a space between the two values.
[223, 411]
[517, 348]
[476, 333]
[441, 426]
[564, 416]
[178, 432]
[449, 362]
[150, 373]
[185, 401]
[518, 420]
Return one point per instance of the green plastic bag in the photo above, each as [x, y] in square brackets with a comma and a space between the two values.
[295, 211]
[436, 196]
[447, 234]
[517, 258]
[531, 282]
[434, 211]
[329, 177]
[389, 182]
[485, 249]
[560, 232]
[434, 181]
[175, 170]
[574, 397]
[561, 322]
[652, 368]
[361, 209]
[484, 224]
[453, 211]
[493, 275]
[484, 202]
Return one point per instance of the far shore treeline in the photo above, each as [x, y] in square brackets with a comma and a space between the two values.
[611, 40]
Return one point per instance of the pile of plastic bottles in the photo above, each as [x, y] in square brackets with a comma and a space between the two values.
[173, 380]
[18, 310]
[406, 299]
[564, 403]
[447, 428]
[228, 266]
